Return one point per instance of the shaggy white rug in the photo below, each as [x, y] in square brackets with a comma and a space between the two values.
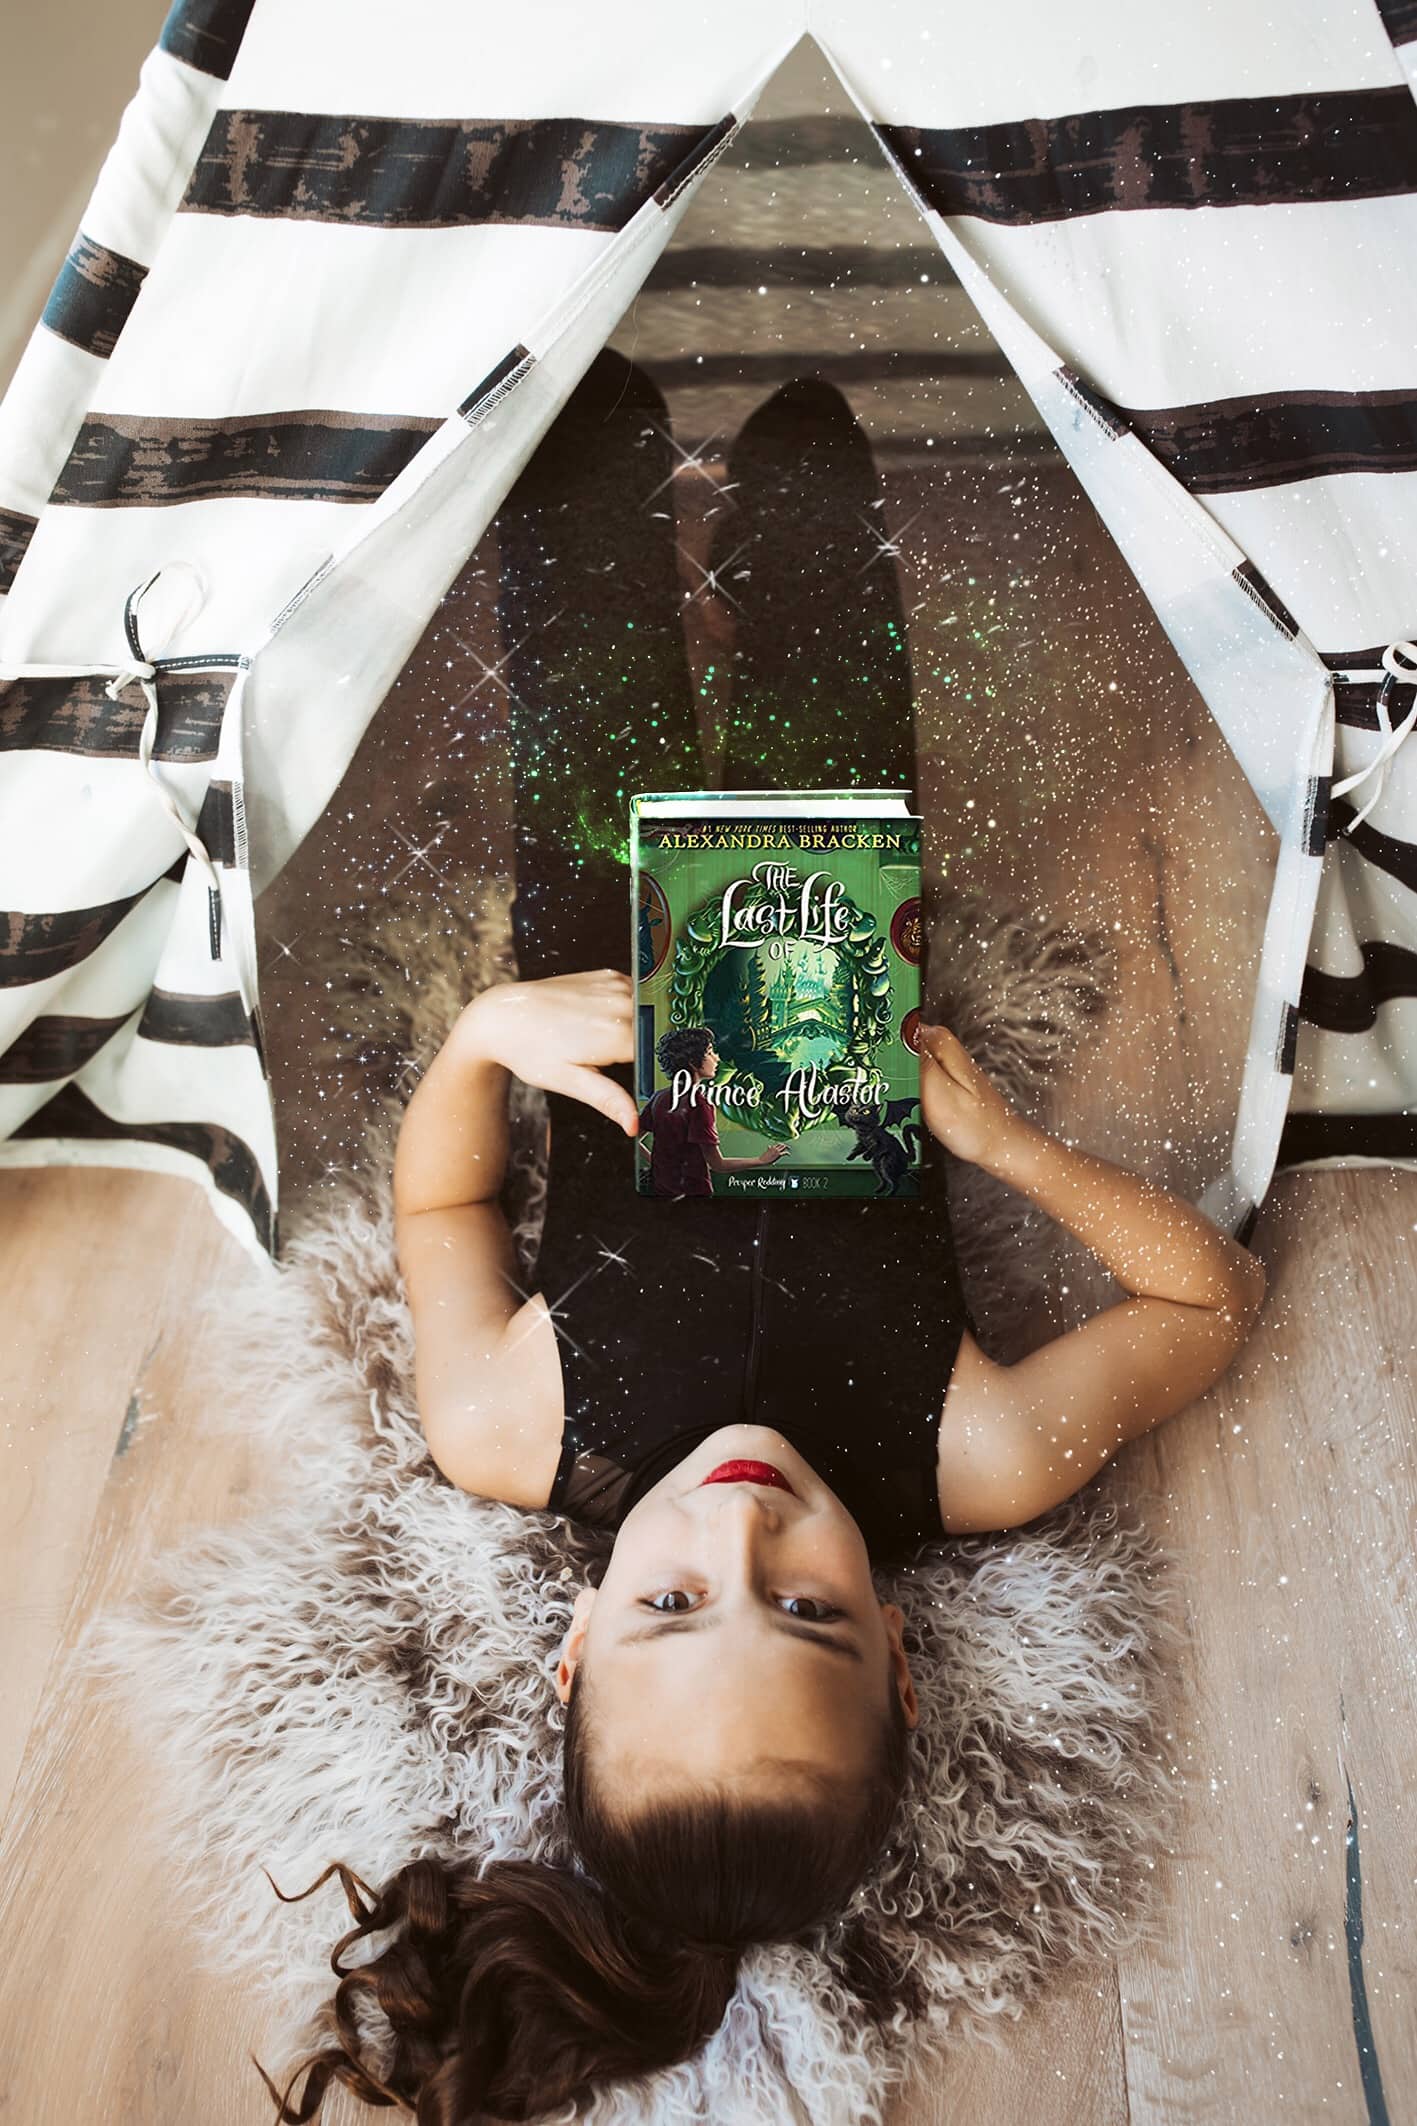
[363, 1670]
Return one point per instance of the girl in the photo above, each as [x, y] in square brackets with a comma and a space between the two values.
[761, 1401]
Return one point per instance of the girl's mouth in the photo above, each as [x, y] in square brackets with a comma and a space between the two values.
[749, 1473]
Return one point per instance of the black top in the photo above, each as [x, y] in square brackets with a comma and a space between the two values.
[836, 1322]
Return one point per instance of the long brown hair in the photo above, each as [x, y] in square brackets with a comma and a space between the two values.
[511, 1989]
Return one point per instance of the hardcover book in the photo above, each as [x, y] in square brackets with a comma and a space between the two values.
[776, 942]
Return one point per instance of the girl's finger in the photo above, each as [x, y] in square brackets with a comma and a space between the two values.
[944, 1048]
[596, 1090]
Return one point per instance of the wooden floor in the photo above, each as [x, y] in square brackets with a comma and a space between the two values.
[1285, 1982]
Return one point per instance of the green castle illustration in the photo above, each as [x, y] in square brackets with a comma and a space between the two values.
[772, 1017]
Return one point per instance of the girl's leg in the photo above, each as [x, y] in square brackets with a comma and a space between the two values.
[590, 614]
[822, 694]
[602, 696]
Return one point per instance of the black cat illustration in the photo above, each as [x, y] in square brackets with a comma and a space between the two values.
[891, 1156]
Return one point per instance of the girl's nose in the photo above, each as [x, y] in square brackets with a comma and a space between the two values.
[743, 1511]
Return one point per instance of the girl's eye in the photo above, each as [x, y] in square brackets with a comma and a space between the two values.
[809, 1609]
[672, 1599]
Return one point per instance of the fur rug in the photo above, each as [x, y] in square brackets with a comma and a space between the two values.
[362, 1670]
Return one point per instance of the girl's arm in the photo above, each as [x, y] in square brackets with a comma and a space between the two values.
[1016, 1440]
[487, 1376]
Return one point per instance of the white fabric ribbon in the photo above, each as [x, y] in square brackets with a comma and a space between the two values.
[1395, 673]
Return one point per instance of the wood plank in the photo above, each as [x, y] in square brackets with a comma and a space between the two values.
[1261, 2004]
[1060, 2064]
[73, 1386]
[1291, 1495]
[104, 2013]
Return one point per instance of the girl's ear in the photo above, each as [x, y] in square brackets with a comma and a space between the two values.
[573, 1642]
[900, 1667]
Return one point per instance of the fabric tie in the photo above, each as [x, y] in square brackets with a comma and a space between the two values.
[1395, 673]
[140, 671]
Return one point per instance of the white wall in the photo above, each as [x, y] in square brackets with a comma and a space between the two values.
[70, 67]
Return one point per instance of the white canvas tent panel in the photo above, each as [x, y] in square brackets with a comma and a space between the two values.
[338, 278]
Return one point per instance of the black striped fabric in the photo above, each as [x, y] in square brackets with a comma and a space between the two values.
[231, 1163]
[90, 301]
[1107, 416]
[1351, 1003]
[75, 715]
[1269, 439]
[722, 266]
[1355, 701]
[1251, 154]
[1308, 1137]
[777, 364]
[216, 823]
[16, 531]
[1316, 816]
[136, 461]
[1384, 851]
[1355, 660]
[1349, 1007]
[434, 173]
[34, 948]
[1263, 594]
[56, 1046]
[704, 151]
[206, 34]
[1236, 152]
[193, 1021]
[1400, 17]
[484, 394]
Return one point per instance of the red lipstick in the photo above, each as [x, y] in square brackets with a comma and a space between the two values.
[749, 1473]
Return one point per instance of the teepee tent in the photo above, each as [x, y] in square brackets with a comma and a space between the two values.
[339, 274]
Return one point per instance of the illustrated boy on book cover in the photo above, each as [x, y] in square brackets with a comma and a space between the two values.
[777, 951]
[679, 1121]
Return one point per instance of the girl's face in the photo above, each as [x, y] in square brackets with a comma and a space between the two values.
[710, 1063]
[736, 1634]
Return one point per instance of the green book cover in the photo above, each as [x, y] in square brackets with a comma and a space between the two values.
[776, 941]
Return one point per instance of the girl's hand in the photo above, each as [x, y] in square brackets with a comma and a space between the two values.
[558, 1033]
[961, 1104]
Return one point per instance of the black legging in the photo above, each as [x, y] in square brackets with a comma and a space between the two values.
[851, 1308]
